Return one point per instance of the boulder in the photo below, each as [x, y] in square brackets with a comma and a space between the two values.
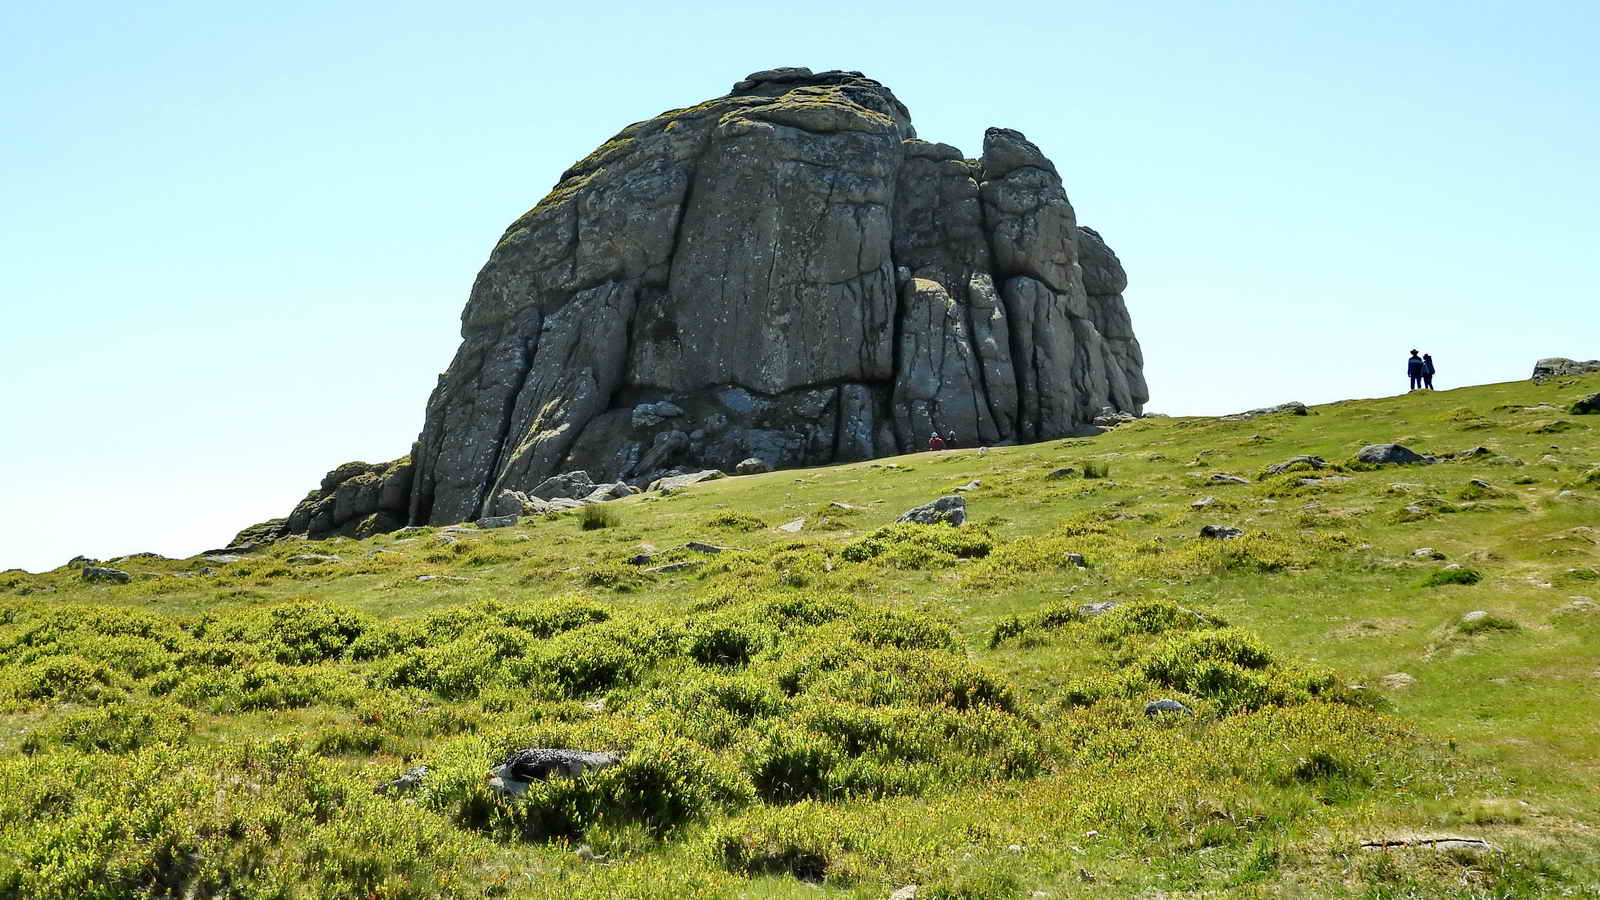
[105, 575]
[679, 482]
[1292, 408]
[508, 503]
[785, 272]
[951, 509]
[1561, 367]
[523, 767]
[1585, 406]
[1164, 706]
[1388, 453]
[753, 465]
[568, 486]
[613, 491]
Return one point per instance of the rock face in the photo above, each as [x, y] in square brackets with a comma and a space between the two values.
[785, 272]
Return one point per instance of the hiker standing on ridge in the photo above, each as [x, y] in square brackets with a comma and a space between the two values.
[1414, 369]
[935, 442]
[1427, 370]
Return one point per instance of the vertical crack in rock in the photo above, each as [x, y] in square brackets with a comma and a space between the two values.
[786, 272]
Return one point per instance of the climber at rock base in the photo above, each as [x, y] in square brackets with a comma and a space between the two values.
[950, 440]
[935, 442]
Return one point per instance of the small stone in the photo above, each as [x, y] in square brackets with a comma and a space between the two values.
[1164, 705]
[311, 559]
[410, 781]
[909, 892]
[587, 854]
[1075, 560]
[1091, 610]
[970, 486]
[497, 521]
[1224, 478]
[1398, 681]
[1220, 532]
[1064, 472]
[1203, 502]
[1474, 616]
[792, 527]
[669, 568]
[703, 547]
[222, 558]
[839, 504]
[1427, 553]
[454, 579]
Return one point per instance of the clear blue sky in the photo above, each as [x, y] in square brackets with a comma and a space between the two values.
[236, 244]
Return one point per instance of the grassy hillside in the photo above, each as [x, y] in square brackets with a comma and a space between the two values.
[855, 707]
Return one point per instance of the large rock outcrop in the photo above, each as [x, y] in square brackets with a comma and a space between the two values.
[786, 272]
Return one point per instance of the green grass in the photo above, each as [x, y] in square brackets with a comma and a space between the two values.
[862, 704]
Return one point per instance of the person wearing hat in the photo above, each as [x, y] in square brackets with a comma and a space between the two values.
[935, 442]
[1415, 369]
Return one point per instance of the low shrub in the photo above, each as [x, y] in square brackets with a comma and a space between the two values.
[1452, 576]
[735, 521]
[599, 515]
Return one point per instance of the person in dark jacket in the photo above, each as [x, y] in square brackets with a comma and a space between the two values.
[1414, 369]
[1427, 370]
[950, 440]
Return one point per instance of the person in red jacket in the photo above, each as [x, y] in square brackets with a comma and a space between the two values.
[935, 442]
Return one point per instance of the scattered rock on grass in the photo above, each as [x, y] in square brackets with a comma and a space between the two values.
[1220, 532]
[105, 575]
[1398, 681]
[1090, 610]
[1063, 472]
[678, 482]
[909, 892]
[409, 781]
[1293, 408]
[496, 521]
[1427, 553]
[1164, 705]
[1382, 454]
[1224, 478]
[951, 509]
[792, 527]
[524, 767]
[311, 559]
[1297, 463]
[1428, 842]
[452, 579]
[970, 486]
[1203, 502]
[753, 465]
[1586, 406]
[1075, 560]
